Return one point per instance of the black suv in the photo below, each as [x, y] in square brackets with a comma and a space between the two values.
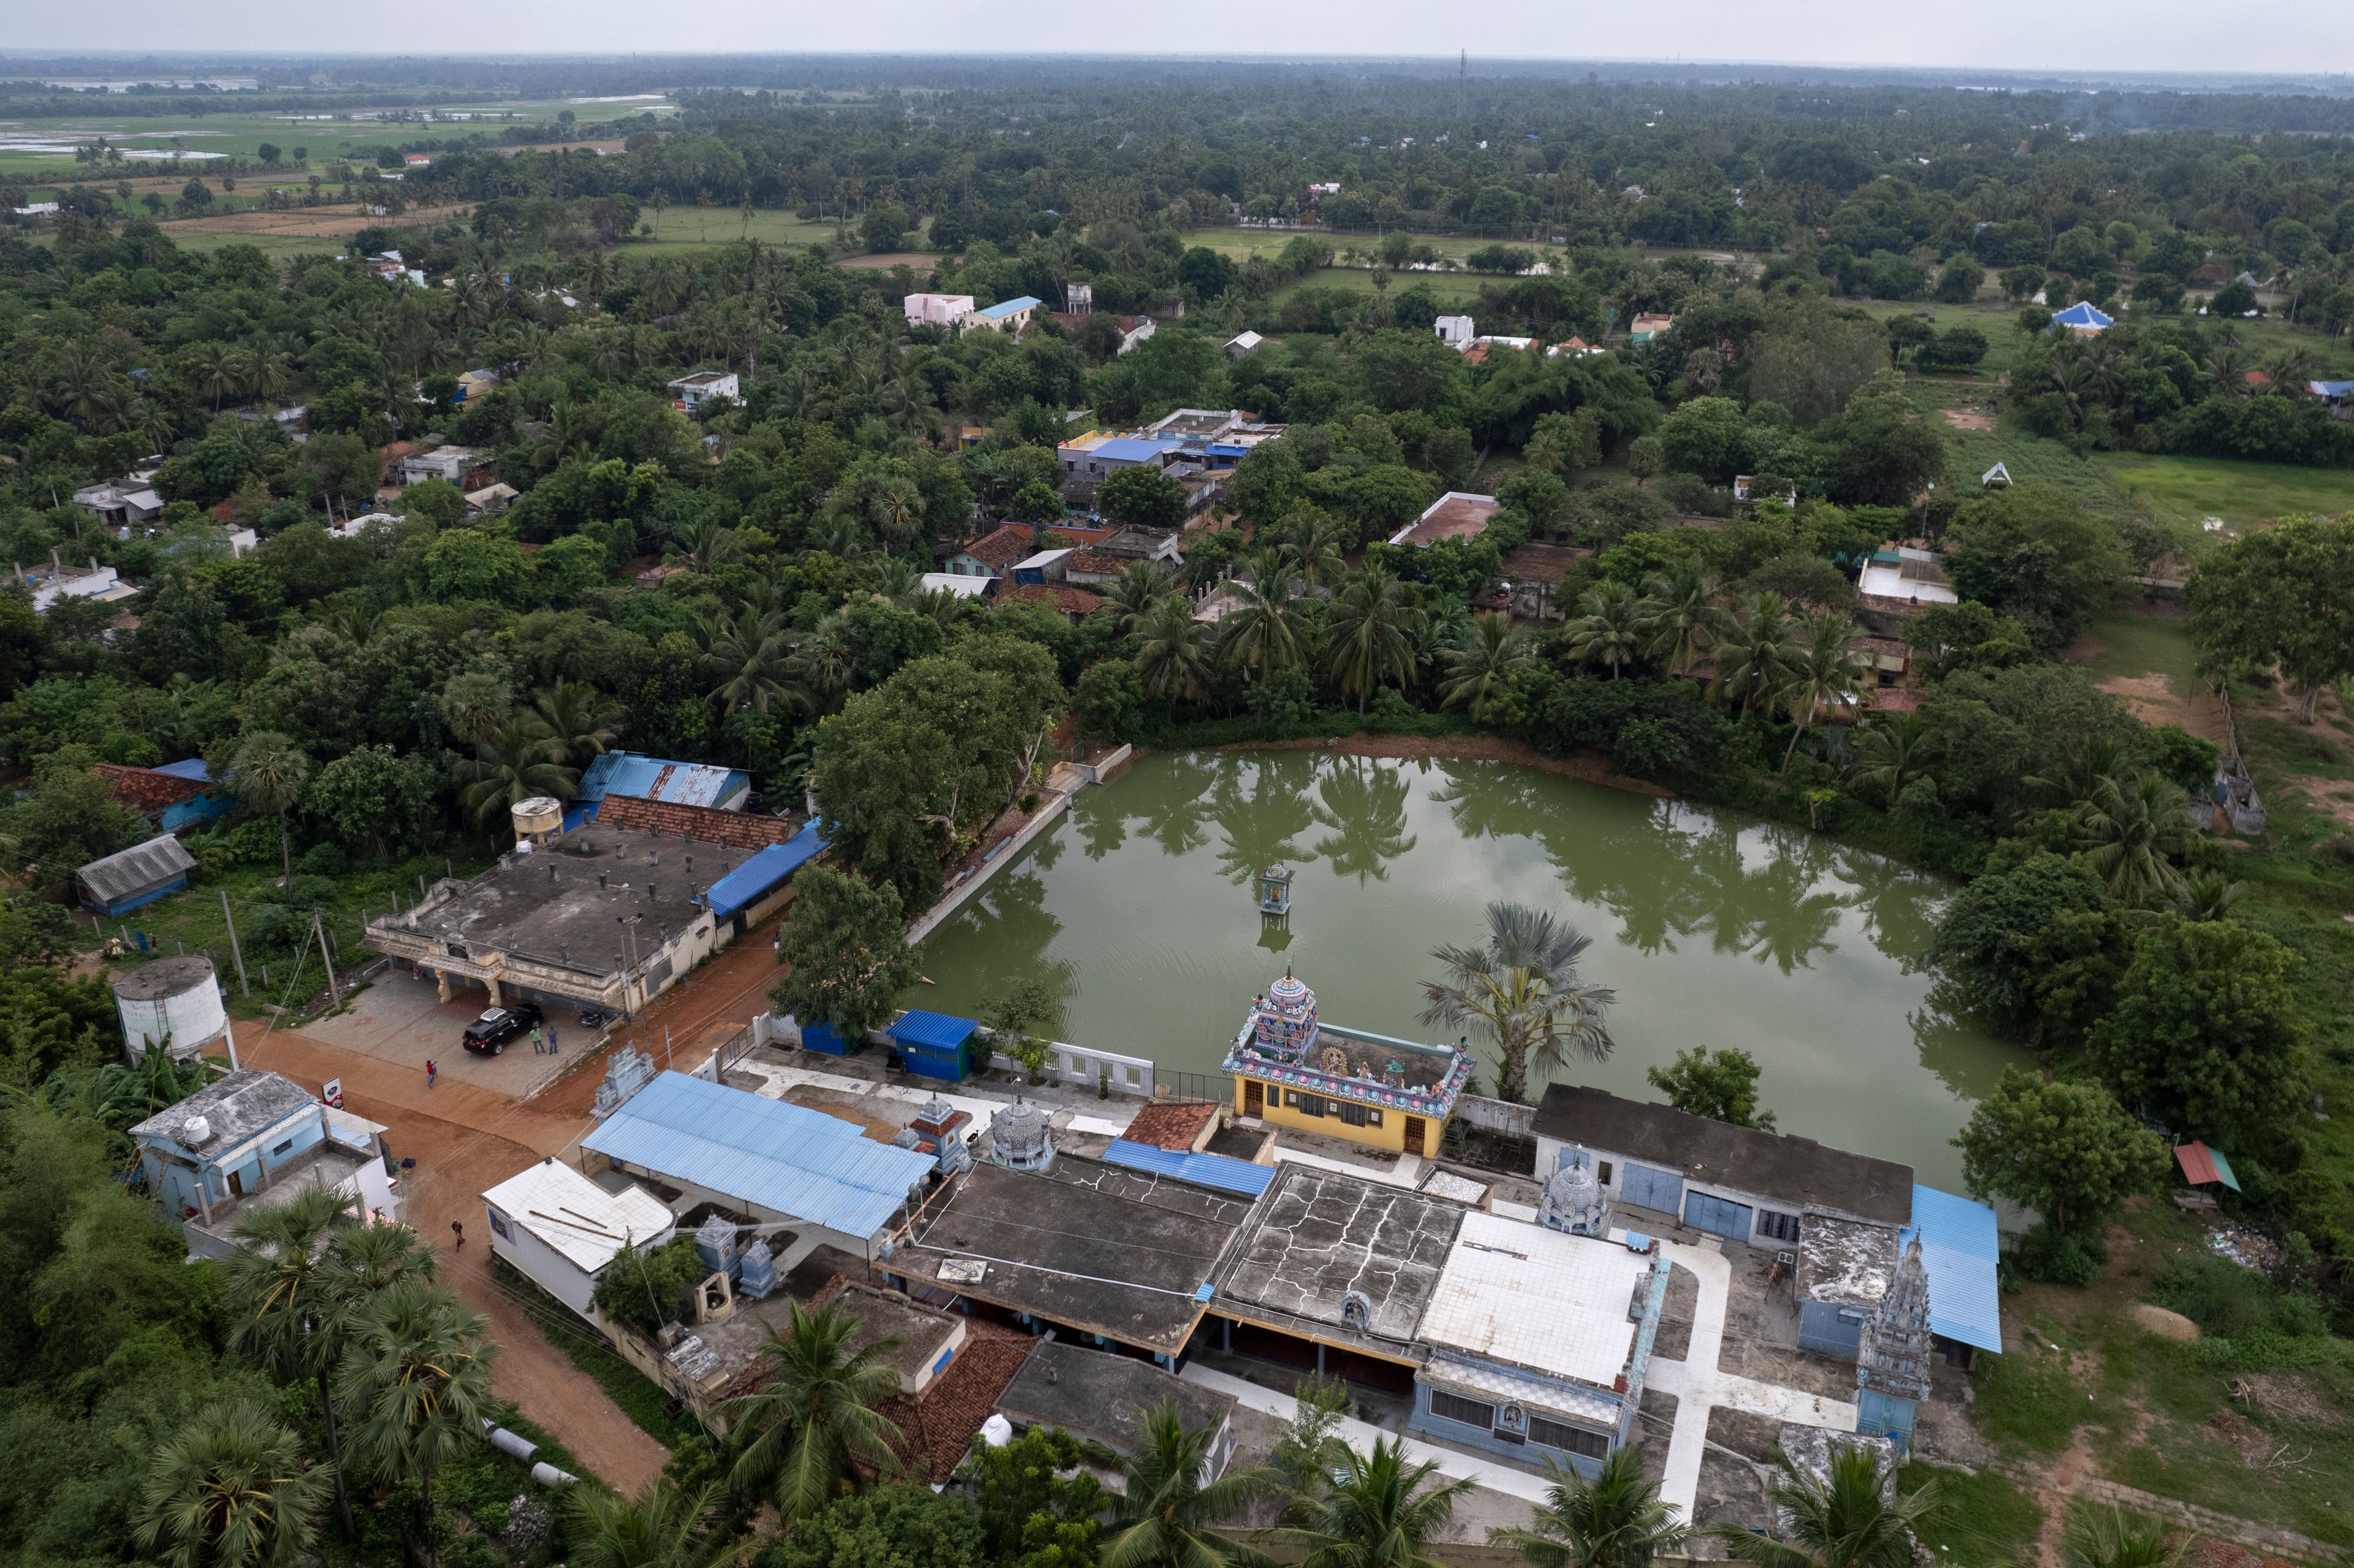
[488, 1035]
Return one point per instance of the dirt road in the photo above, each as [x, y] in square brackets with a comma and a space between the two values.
[465, 1139]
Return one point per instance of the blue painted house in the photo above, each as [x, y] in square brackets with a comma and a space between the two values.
[935, 1045]
[252, 1139]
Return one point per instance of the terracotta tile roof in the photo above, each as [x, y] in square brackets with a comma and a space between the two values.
[1002, 548]
[144, 789]
[1893, 699]
[1098, 562]
[1171, 1125]
[1056, 596]
[706, 824]
[1541, 563]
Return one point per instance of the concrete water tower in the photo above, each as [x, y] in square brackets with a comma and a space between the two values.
[176, 1000]
[537, 819]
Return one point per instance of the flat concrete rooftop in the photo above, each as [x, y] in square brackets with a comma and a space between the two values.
[1115, 1252]
[564, 902]
[1321, 1237]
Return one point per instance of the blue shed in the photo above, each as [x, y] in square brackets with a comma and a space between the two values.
[1960, 1250]
[761, 874]
[935, 1045]
[820, 1038]
[138, 876]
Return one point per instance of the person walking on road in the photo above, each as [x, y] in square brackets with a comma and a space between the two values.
[431, 1072]
[460, 1232]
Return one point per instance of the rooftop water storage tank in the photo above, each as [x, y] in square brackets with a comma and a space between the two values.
[177, 999]
[537, 819]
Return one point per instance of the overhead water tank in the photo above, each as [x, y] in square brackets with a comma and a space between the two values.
[537, 819]
[177, 999]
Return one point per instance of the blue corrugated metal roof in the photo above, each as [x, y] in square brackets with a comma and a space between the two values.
[938, 1030]
[787, 1158]
[1959, 1247]
[2331, 388]
[191, 768]
[1228, 1175]
[659, 778]
[1134, 449]
[750, 882]
[2081, 314]
[1006, 308]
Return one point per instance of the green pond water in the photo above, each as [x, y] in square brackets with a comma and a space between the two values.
[1713, 929]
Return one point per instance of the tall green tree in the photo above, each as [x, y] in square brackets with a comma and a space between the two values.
[1615, 1521]
[268, 773]
[1175, 655]
[811, 1430]
[1368, 633]
[1719, 1085]
[846, 949]
[2280, 598]
[281, 1316]
[1844, 1519]
[2069, 1151]
[231, 1491]
[663, 1526]
[1379, 1512]
[1266, 630]
[1165, 1517]
[1610, 627]
[415, 1386]
[515, 763]
[1482, 663]
[1826, 672]
[1523, 992]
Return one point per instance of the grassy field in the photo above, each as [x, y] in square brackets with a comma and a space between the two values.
[2190, 489]
[1239, 243]
[689, 228]
[1446, 288]
[2136, 645]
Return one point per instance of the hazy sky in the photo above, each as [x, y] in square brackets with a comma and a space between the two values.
[2293, 36]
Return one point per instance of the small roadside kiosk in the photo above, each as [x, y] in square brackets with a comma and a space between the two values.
[935, 1045]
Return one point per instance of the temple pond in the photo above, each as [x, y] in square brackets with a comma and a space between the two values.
[1714, 928]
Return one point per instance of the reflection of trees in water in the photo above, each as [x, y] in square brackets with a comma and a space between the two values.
[1175, 817]
[1365, 805]
[1010, 924]
[1897, 906]
[1262, 808]
[1961, 1055]
[1103, 828]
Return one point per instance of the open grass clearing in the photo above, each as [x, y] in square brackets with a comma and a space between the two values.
[2188, 489]
[1446, 288]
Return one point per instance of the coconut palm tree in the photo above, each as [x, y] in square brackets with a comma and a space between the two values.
[812, 1426]
[756, 666]
[582, 721]
[268, 773]
[474, 703]
[1175, 655]
[1844, 1519]
[220, 370]
[701, 545]
[1826, 673]
[1890, 751]
[415, 1385]
[363, 1262]
[1321, 552]
[2208, 896]
[230, 1491]
[2099, 764]
[1128, 598]
[663, 1526]
[2134, 832]
[1682, 621]
[1523, 991]
[1265, 631]
[1482, 662]
[1368, 632]
[1610, 627]
[1166, 1518]
[1615, 1521]
[517, 763]
[281, 1318]
[1753, 662]
[2098, 1537]
[1379, 1512]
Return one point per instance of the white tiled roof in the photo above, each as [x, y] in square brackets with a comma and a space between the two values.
[1536, 1298]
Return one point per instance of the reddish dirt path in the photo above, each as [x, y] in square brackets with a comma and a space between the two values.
[704, 1008]
[466, 1139]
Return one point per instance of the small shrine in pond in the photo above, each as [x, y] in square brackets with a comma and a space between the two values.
[1274, 890]
[1292, 1069]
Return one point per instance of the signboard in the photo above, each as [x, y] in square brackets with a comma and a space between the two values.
[333, 1093]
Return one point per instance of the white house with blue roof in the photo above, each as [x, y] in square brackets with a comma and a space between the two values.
[1008, 315]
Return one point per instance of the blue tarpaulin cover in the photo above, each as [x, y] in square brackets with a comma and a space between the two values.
[752, 881]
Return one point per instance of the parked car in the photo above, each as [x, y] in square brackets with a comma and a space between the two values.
[488, 1035]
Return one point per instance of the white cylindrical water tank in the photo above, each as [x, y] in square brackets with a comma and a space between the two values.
[537, 819]
[177, 999]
